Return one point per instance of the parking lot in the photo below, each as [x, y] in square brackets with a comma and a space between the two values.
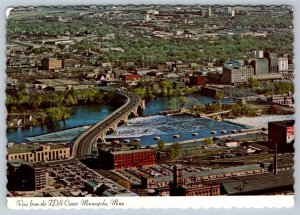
[70, 175]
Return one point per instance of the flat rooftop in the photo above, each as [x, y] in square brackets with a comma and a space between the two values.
[285, 123]
[26, 148]
[56, 82]
[132, 151]
[258, 183]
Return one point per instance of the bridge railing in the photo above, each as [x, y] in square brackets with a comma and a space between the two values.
[103, 120]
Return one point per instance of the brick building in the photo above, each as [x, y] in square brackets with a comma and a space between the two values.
[179, 187]
[51, 63]
[130, 77]
[282, 134]
[197, 80]
[124, 159]
[153, 182]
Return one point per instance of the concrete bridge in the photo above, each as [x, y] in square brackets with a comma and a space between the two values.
[96, 134]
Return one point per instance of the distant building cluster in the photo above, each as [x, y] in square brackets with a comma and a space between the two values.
[264, 65]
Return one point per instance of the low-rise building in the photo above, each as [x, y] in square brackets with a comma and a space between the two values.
[268, 184]
[130, 77]
[152, 182]
[212, 91]
[281, 99]
[197, 80]
[179, 186]
[51, 63]
[124, 159]
[38, 152]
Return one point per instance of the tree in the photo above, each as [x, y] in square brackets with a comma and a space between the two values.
[208, 141]
[219, 97]
[173, 104]
[252, 82]
[174, 150]
[166, 86]
[61, 46]
[161, 145]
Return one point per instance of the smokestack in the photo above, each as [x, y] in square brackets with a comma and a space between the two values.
[275, 160]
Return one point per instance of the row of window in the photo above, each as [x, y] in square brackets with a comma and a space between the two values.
[38, 156]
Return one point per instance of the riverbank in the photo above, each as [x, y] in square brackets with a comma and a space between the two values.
[260, 121]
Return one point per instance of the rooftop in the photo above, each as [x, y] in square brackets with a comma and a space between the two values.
[132, 151]
[258, 183]
[285, 123]
[211, 172]
[56, 82]
[17, 162]
[26, 148]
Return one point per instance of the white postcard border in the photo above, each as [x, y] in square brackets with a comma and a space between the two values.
[139, 202]
[150, 202]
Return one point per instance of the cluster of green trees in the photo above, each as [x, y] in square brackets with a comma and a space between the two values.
[56, 114]
[238, 110]
[265, 21]
[279, 87]
[148, 52]
[146, 89]
[52, 106]
[173, 150]
[59, 28]
[208, 108]
[56, 99]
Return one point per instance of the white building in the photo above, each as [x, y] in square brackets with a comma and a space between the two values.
[283, 64]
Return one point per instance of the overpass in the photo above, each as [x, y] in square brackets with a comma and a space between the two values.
[96, 134]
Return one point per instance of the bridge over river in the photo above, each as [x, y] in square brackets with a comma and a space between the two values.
[96, 134]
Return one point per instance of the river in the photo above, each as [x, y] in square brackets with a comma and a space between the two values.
[82, 115]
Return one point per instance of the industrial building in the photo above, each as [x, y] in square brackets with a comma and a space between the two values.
[38, 152]
[281, 133]
[179, 187]
[110, 159]
[153, 182]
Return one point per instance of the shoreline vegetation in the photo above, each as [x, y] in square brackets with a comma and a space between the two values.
[219, 111]
[165, 88]
[55, 106]
[51, 106]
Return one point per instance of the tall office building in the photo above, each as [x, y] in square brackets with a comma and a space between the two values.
[23, 176]
[261, 66]
[273, 61]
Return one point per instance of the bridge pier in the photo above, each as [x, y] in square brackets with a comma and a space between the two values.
[143, 105]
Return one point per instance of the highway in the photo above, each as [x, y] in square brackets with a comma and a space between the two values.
[83, 144]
